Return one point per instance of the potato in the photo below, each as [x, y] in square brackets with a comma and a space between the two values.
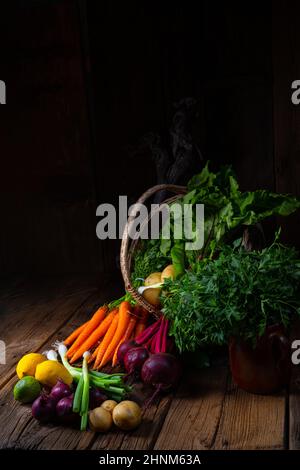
[154, 278]
[109, 405]
[152, 295]
[127, 415]
[168, 272]
[100, 420]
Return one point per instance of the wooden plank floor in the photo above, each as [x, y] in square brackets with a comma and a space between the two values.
[206, 412]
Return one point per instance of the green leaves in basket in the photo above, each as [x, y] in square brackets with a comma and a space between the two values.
[148, 259]
[178, 258]
[225, 209]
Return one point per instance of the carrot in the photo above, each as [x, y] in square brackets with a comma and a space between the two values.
[92, 324]
[126, 336]
[142, 322]
[115, 356]
[124, 317]
[93, 356]
[94, 336]
[71, 338]
[106, 340]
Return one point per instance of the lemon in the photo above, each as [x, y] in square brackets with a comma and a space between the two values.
[27, 364]
[27, 389]
[49, 372]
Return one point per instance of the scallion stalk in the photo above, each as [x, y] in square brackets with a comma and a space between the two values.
[62, 350]
[85, 393]
[111, 384]
[78, 396]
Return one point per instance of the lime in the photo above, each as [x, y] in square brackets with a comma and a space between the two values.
[27, 389]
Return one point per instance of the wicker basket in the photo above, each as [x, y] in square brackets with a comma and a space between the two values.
[129, 246]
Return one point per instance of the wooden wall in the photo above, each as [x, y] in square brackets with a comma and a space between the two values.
[286, 120]
[47, 191]
[86, 80]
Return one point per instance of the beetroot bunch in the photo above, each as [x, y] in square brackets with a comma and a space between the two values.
[147, 358]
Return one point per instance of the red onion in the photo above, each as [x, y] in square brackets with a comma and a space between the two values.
[43, 408]
[161, 370]
[60, 390]
[134, 360]
[64, 409]
[123, 348]
[96, 398]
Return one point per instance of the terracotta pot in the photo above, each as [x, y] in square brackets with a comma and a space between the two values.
[264, 369]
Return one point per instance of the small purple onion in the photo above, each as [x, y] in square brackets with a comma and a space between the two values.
[64, 409]
[43, 408]
[60, 390]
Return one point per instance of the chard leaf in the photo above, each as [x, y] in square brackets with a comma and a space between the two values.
[178, 258]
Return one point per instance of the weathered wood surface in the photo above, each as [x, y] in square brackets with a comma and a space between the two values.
[42, 307]
[195, 411]
[22, 430]
[206, 412]
[251, 421]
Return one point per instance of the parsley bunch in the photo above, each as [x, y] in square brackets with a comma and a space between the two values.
[239, 294]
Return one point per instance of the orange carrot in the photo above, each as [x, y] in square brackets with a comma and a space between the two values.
[93, 356]
[142, 322]
[129, 331]
[92, 324]
[126, 336]
[106, 340]
[74, 335]
[94, 336]
[124, 317]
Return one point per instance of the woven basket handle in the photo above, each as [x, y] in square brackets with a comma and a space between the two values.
[128, 244]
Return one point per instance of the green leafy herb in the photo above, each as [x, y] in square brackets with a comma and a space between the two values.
[148, 259]
[226, 208]
[240, 293]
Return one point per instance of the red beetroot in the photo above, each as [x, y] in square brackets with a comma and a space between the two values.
[162, 371]
[134, 360]
[123, 348]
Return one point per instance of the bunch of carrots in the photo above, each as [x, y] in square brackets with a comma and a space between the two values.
[105, 332]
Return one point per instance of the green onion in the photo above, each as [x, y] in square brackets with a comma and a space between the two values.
[78, 396]
[86, 392]
[111, 384]
[62, 350]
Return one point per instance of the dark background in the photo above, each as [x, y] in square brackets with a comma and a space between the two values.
[87, 79]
